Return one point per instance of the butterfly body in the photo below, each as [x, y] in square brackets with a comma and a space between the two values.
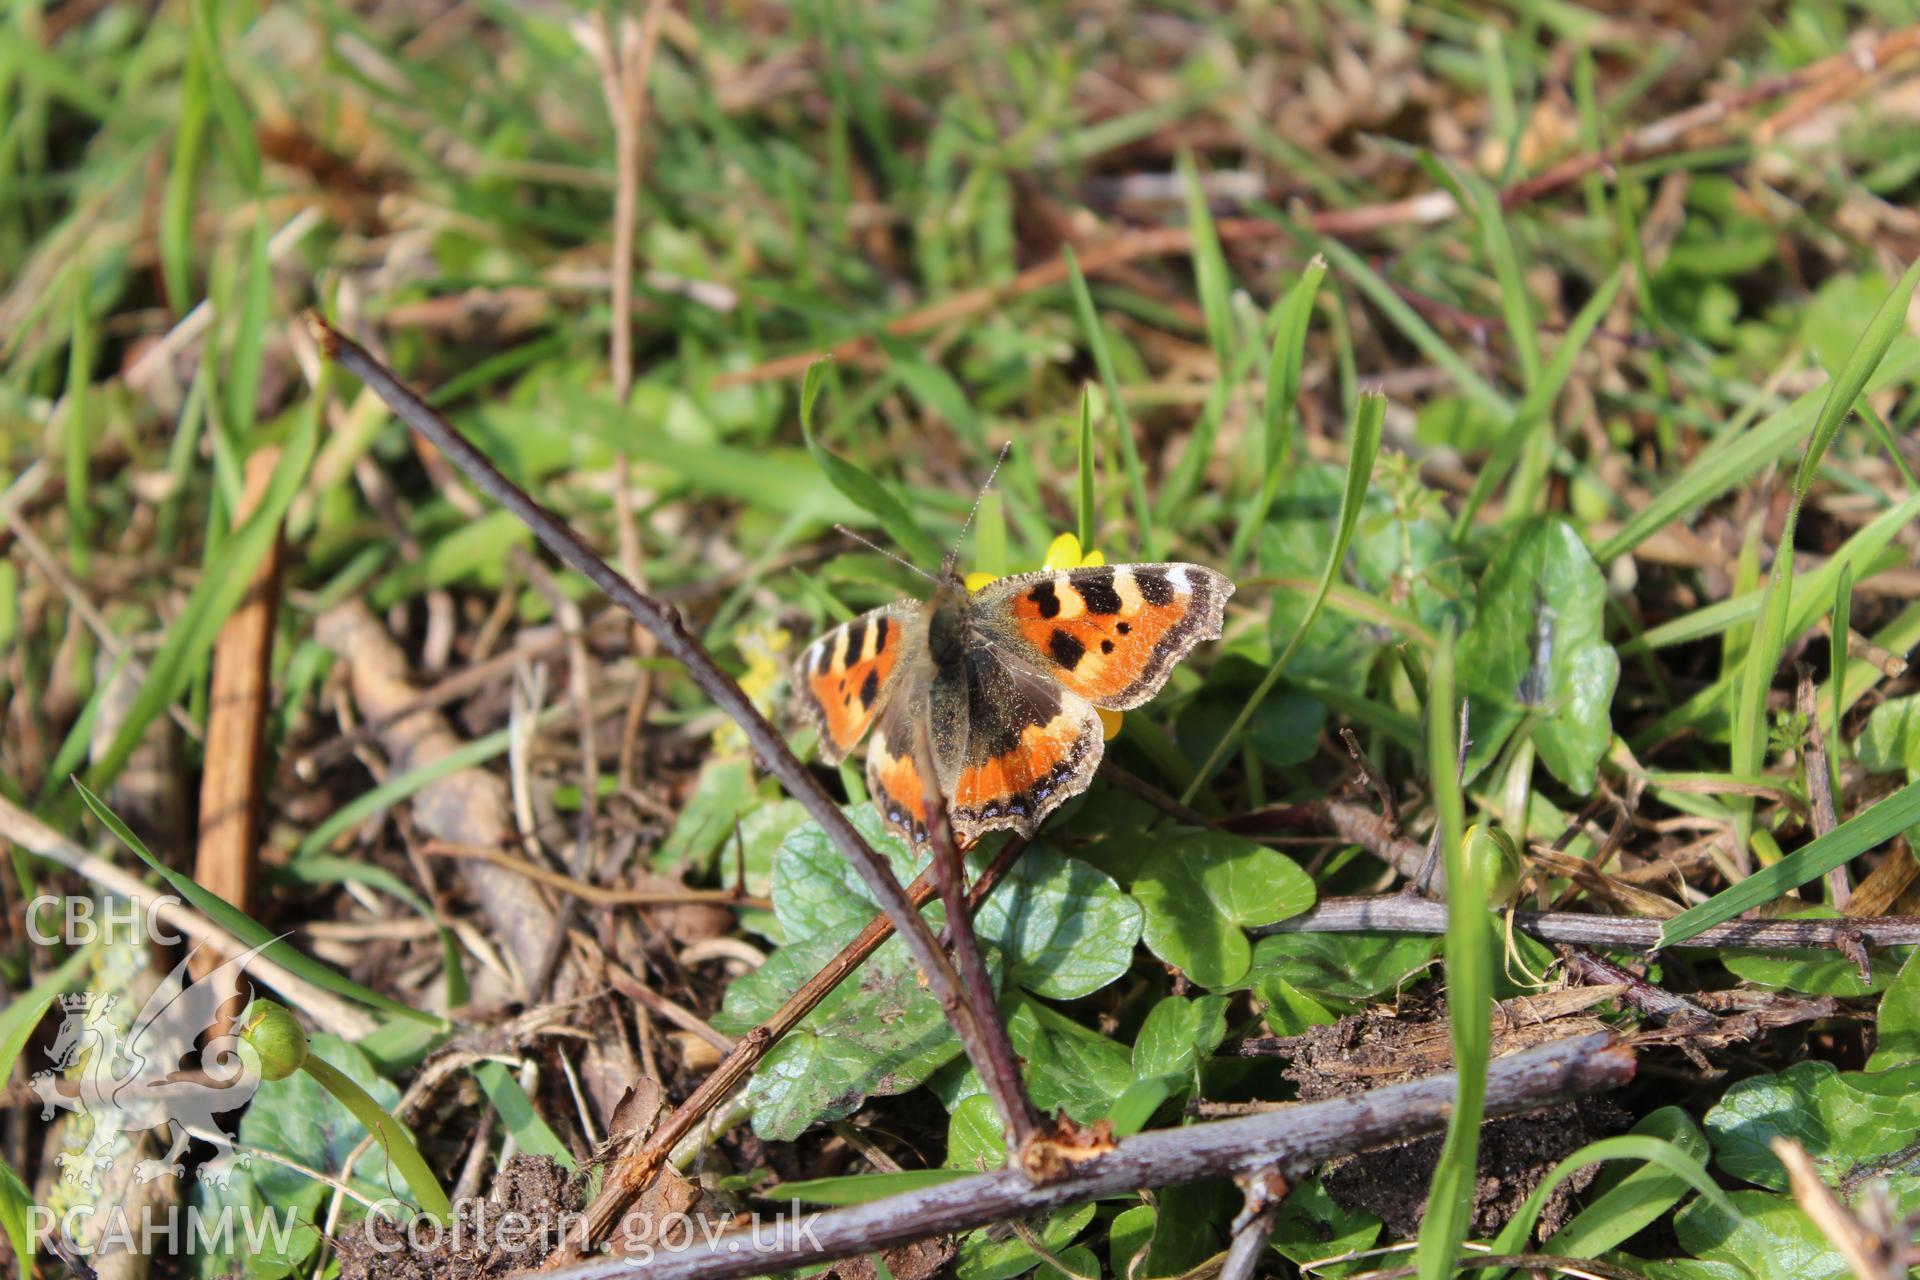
[1003, 683]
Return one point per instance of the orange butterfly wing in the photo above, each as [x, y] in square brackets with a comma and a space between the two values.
[1110, 633]
[1031, 747]
[842, 680]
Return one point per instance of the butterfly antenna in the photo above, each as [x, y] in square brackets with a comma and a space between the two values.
[953, 556]
[874, 546]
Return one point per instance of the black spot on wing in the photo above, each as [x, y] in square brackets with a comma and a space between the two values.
[1123, 628]
[857, 638]
[1096, 590]
[1106, 646]
[1154, 587]
[879, 634]
[1066, 650]
[1045, 599]
[870, 688]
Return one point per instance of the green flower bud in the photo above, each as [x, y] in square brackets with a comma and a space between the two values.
[276, 1036]
[1495, 861]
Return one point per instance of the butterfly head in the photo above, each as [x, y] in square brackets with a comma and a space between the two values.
[947, 618]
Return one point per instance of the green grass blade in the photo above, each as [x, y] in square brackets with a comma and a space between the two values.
[934, 389]
[17, 1022]
[1086, 525]
[990, 535]
[1293, 315]
[221, 587]
[183, 171]
[245, 927]
[1469, 969]
[860, 488]
[1144, 538]
[1534, 412]
[1847, 385]
[1837, 641]
[44, 69]
[249, 340]
[235, 122]
[1770, 639]
[1209, 263]
[1411, 324]
[1845, 842]
[467, 755]
[388, 1132]
[78, 432]
[1368, 424]
[15, 1203]
[516, 1111]
[1862, 555]
[23, 1013]
[1481, 202]
[1644, 1148]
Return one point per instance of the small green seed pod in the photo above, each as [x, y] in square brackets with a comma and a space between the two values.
[1495, 860]
[276, 1036]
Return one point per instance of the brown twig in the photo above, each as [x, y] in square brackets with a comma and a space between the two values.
[623, 83]
[1000, 1073]
[227, 859]
[1869, 1254]
[1370, 777]
[632, 1174]
[1401, 913]
[1290, 1140]
[1657, 1003]
[1264, 1193]
[580, 688]
[1818, 774]
[599, 895]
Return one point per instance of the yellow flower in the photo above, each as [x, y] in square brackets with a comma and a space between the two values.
[1064, 553]
[764, 647]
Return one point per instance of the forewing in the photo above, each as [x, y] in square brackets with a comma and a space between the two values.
[1112, 633]
[843, 680]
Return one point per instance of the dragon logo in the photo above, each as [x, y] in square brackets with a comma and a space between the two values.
[177, 1065]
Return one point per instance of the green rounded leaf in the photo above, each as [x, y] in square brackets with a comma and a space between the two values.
[1203, 889]
[1342, 966]
[1537, 649]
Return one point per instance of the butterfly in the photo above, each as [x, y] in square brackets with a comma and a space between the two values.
[1004, 680]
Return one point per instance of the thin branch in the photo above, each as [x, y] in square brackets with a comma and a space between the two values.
[1401, 913]
[1291, 1140]
[633, 1173]
[598, 895]
[1819, 778]
[623, 83]
[1868, 1254]
[1264, 1192]
[1370, 777]
[1000, 1073]
[1657, 1003]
